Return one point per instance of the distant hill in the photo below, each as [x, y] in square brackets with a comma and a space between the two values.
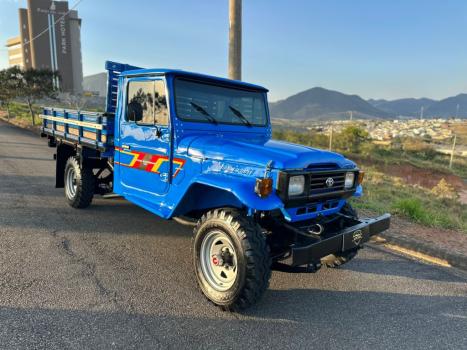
[408, 107]
[96, 82]
[448, 107]
[319, 103]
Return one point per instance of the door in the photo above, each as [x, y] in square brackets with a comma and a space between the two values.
[144, 152]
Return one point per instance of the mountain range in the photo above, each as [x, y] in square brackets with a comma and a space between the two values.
[405, 106]
[322, 104]
[319, 103]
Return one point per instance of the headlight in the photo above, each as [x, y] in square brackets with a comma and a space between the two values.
[349, 180]
[296, 185]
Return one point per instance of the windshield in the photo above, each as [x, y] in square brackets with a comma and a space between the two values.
[203, 102]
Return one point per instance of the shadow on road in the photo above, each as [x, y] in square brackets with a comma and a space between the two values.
[293, 318]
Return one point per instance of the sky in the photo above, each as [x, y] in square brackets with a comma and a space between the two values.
[373, 48]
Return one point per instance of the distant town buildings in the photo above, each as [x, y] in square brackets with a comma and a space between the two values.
[50, 37]
[430, 129]
[437, 130]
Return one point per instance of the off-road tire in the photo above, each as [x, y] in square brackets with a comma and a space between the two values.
[82, 195]
[336, 260]
[253, 258]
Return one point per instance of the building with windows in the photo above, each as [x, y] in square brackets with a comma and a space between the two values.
[50, 37]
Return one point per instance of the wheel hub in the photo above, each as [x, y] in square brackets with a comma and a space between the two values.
[218, 260]
[71, 183]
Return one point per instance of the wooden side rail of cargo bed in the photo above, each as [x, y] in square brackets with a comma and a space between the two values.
[89, 128]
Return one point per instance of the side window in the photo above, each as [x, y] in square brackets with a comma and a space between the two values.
[160, 104]
[140, 103]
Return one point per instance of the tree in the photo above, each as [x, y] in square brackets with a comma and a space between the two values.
[10, 80]
[351, 138]
[37, 84]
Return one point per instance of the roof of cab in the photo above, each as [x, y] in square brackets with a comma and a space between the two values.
[193, 75]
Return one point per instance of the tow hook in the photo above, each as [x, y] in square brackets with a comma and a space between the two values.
[316, 229]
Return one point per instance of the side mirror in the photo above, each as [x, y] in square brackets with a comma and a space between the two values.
[157, 131]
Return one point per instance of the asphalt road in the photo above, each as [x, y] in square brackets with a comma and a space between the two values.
[116, 276]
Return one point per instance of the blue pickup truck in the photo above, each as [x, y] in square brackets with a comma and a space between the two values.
[198, 149]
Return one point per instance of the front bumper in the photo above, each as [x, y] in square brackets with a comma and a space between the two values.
[310, 250]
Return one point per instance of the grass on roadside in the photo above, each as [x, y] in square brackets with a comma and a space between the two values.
[383, 193]
[438, 162]
[20, 112]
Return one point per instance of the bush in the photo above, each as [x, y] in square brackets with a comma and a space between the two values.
[411, 207]
[444, 190]
[418, 147]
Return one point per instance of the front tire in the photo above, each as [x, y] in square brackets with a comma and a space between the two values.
[231, 259]
[79, 184]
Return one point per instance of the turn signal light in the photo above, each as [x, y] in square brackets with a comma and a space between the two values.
[263, 187]
[361, 175]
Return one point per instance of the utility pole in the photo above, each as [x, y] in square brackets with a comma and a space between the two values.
[457, 111]
[351, 115]
[235, 39]
[452, 151]
[330, 139]
[421, 113]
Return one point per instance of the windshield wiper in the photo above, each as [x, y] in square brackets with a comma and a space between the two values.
[240, 116]
[204, 113]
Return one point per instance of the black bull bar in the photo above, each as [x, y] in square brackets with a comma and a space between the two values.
[346, 239]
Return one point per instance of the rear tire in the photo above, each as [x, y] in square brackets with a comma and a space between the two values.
[336, 260]
[79, 184]
[231, 259]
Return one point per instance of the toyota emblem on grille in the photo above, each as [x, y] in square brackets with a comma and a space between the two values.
[329, 181]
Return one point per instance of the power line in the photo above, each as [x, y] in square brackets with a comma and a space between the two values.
[48, 27]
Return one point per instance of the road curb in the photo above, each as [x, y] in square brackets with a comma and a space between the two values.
[455, 260]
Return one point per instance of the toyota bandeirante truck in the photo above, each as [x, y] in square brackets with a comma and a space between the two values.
[198, 149]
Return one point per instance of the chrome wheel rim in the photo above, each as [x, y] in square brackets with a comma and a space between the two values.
[218, 260]
[70, 183]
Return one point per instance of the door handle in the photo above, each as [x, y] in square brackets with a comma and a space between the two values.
[126, 146]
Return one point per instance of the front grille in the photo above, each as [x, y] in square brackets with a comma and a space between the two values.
[320, 182]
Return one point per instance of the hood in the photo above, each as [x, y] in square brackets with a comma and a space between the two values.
[260, 151]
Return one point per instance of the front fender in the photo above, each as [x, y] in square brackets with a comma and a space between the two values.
[243, 189]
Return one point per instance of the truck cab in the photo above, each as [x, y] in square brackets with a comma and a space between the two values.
[198, 149]
[178, 132]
